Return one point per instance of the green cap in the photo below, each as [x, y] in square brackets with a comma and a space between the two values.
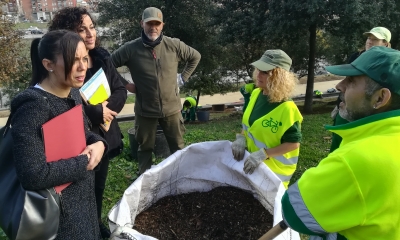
[380, 33]
[272, 59]
[381, 64]
[152, 14]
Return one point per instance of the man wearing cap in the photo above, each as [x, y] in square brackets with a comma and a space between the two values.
[272, 122]
[377, 36]
[153, 60]
[354, 192]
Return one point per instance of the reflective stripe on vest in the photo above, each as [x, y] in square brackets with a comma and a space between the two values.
[302, 211]
[330, 236]
[259, 144]
[285, 179]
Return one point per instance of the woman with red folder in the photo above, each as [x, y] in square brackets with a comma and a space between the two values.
[79, 20]
[59, 64]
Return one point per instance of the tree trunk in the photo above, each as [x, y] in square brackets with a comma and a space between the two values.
[198, 99]
[395, 40]
[308, 102]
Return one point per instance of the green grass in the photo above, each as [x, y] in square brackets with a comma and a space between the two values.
[220, 127]
[131, 98]
[26, 25]
[315, 142]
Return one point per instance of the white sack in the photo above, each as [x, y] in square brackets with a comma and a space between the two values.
[199, 167]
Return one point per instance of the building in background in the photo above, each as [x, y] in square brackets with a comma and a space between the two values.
[81, 3]
[91, 5]
[12, 6]
[11, 10]
[3, 8]
[43, 10]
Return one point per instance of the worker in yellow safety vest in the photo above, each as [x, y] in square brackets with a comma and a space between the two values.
[189, 109]
[354, 193]
[272, 122]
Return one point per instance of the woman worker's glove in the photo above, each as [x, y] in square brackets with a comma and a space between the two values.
[254, 160]
[238, 147]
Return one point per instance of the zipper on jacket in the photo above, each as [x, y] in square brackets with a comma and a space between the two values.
[62, 210]
[158, 67]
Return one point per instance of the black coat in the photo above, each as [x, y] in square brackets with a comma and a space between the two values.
[354, 56]
[31, 109]
[101, 59]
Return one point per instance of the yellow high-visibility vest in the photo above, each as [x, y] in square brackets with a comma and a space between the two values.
[267, 131]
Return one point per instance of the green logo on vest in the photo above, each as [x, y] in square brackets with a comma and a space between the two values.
[271, 124]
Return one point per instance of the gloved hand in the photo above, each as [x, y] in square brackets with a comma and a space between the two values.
[254, 160]
[179, 80]
[238, 147]
[124, 233]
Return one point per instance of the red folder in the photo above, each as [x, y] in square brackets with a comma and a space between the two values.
[64, 137]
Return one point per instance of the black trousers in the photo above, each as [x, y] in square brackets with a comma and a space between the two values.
[100, 183]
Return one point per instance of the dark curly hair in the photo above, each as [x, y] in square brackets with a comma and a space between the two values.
[70, 18]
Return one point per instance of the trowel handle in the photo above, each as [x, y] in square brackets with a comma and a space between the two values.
[275, 231]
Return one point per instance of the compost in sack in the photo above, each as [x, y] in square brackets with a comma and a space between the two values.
[222, 213]
[199, 167]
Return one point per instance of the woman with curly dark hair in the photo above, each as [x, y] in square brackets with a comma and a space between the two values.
[79, 20]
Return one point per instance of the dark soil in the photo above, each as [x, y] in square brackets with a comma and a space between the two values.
[222, 213]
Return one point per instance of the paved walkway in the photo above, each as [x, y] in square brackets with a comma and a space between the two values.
[237, 96]
[227, 98]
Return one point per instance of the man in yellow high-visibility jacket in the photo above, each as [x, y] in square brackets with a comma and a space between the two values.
[354, 193]
[377, 36]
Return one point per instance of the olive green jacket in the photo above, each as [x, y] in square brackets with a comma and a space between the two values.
[154, 72]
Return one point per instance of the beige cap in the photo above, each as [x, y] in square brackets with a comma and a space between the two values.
[152, 14]
[380, 33]
[272, 59]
